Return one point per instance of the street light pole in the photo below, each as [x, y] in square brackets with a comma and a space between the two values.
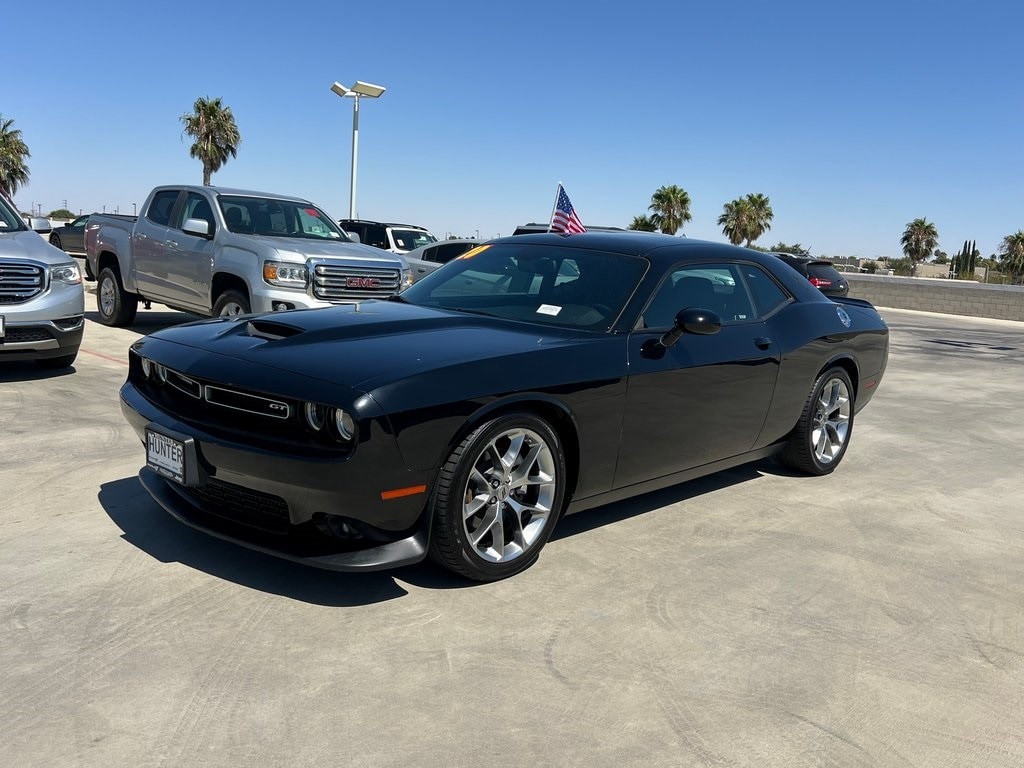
[356, 91]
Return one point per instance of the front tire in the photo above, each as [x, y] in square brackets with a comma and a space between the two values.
[821, 437]
[116, 306]
[230, 304]
[498, 498]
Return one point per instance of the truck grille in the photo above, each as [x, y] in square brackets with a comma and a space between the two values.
[20, 281]
[348, 284]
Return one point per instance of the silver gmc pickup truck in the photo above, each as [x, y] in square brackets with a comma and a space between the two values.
[42, 303]
[215, 251]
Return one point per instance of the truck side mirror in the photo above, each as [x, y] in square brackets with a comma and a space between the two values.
[40, 225]
[352, 236]
[197, 227]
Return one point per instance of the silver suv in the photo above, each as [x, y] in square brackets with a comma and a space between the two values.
[42, 302]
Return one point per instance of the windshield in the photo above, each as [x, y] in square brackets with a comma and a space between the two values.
[566, 287]
[9, 218]
[278, 218]
[408, 239]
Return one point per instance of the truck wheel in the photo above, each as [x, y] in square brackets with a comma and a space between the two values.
[231, 303]
[115, 305]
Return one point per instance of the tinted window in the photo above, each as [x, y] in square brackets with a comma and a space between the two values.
[442, 254]
[160, 209]
[195, 207]
[567, 287]
[716, 287]
[375, 236]
[768, 296]
[823, 272]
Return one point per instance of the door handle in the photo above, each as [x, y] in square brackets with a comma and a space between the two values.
[762, 342]
[171, 243]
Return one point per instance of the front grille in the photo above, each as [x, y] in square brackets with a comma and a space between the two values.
[341, 284]
[15, 335]
[241, 505]
[20, 281]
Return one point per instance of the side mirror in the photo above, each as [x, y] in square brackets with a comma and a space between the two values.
[40, 225]
[702, 322]
[352, 236]
[197, 227]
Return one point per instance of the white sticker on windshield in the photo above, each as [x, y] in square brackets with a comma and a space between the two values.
[548, 309]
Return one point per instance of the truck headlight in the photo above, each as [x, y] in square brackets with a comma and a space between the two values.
[66, 273]
[406, 278]
[285, 275]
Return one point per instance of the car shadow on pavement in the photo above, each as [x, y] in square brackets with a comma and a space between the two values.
[27, 370]
[146, 526]
[648, 502]
[150, 321]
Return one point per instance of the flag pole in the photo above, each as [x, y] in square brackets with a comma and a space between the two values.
[553, 207]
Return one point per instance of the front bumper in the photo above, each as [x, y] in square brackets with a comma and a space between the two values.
[48, 325]
[275, 501]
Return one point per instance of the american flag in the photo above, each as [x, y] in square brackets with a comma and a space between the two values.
[564, 218]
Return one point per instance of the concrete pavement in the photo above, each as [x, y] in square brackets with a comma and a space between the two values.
[754, 618]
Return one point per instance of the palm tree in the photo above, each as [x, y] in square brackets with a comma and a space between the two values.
[643, 224]
[761, 216]
[216, 135]
[919, 239]
[13, 154]
[735, 220]
[1012, 257]
[671, 206]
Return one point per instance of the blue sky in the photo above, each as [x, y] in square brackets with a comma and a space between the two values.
[854, 118]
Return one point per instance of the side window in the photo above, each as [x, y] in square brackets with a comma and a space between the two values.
[160, 209]
[376, 236]
[768, 296]
[442, 254]
[716, 287]
[196, 207]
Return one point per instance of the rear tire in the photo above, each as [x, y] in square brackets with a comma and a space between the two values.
[55, 241]
[819, 441]
[116, 307]
[231, 303]
[498, 498]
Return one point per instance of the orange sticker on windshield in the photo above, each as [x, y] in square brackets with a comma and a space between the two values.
[474, 251]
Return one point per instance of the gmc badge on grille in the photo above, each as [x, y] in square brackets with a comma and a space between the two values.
[363, 282]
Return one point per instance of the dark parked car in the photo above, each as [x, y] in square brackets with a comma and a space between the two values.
[537, 376]
[71, 237]
[819, 272]
[427, 258]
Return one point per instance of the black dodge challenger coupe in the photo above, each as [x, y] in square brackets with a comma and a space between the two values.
[534, 376]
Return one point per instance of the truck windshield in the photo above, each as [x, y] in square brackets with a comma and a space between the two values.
[277, 218]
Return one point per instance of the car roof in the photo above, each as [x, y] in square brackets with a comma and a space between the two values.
[233, 191]
[470, 242]
[803, 259]
[383, 223]
[658, 248]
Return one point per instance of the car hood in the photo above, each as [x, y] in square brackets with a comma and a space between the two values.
[363, 345]
[29, 245]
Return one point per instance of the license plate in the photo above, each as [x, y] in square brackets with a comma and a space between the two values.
[166, 455]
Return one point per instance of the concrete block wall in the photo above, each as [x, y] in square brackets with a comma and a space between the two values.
[954, 297]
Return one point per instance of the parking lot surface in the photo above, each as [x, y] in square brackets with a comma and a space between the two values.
[873, 617]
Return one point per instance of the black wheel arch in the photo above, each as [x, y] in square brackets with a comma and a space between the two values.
[227, 281]
[546, 407]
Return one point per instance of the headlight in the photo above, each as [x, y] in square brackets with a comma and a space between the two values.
[406, 278]
[316, 416]
[159, 373]
[344, 424]
[284, 275]
[66, 273]
[147, 366]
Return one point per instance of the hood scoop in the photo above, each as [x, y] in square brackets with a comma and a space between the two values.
[270, 330]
